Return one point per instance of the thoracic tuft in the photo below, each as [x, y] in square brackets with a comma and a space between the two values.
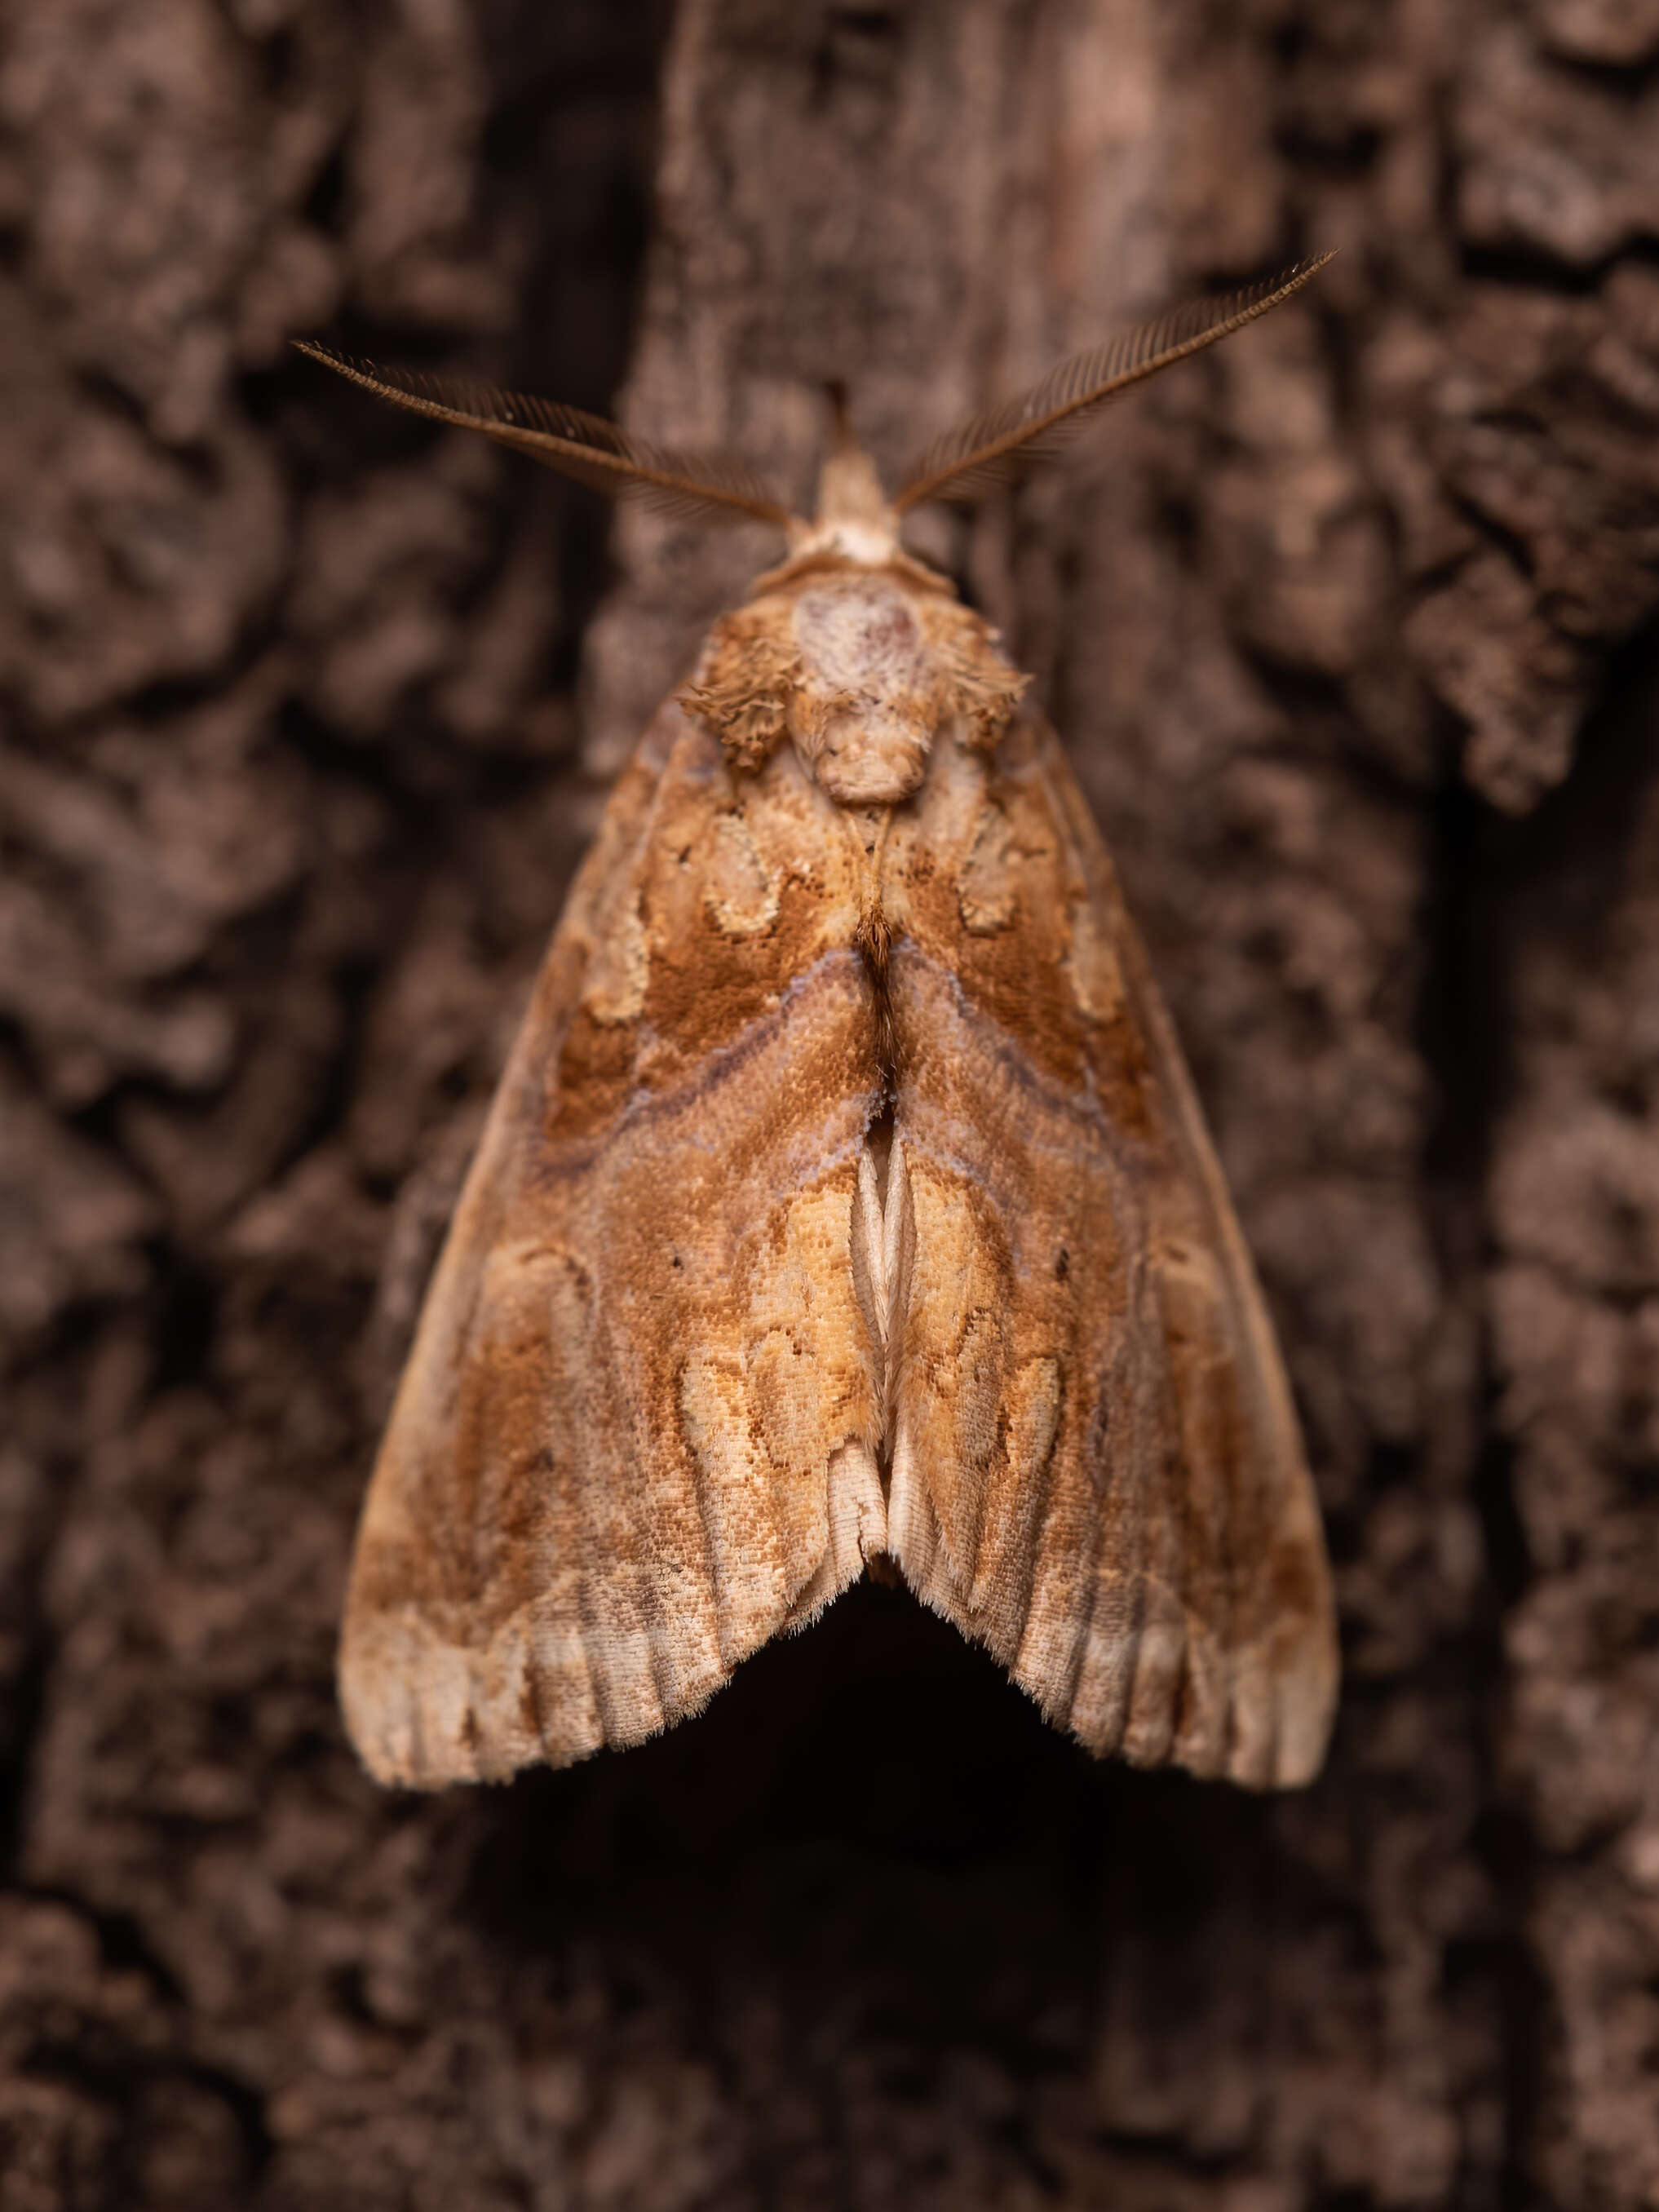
[860, 673]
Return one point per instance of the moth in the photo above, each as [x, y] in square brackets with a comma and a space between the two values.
[845, 1203]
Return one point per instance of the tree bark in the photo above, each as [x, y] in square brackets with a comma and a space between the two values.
[1349, 628]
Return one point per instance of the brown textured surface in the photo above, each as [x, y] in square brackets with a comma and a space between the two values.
[844, 1202]
[291, 799]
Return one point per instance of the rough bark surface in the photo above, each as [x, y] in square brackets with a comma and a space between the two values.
[1351, 629]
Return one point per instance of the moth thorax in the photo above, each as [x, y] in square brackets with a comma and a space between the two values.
[867, 696]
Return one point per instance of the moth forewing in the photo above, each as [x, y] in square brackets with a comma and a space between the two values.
[845, 1195]
[1104, 1481]
[608, 1475]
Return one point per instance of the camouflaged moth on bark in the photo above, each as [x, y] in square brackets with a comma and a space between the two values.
[845, 1198]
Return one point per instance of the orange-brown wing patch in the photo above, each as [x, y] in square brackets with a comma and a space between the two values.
[637, 1431]
[1095, 1463]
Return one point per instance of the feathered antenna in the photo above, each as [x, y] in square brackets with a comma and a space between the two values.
[991, 448]
[585, 447]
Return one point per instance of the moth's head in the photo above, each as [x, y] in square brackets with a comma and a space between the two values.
[855, 521]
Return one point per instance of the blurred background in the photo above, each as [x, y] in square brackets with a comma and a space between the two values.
[309, 710]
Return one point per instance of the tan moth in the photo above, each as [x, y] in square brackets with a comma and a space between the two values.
[845, 1201]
